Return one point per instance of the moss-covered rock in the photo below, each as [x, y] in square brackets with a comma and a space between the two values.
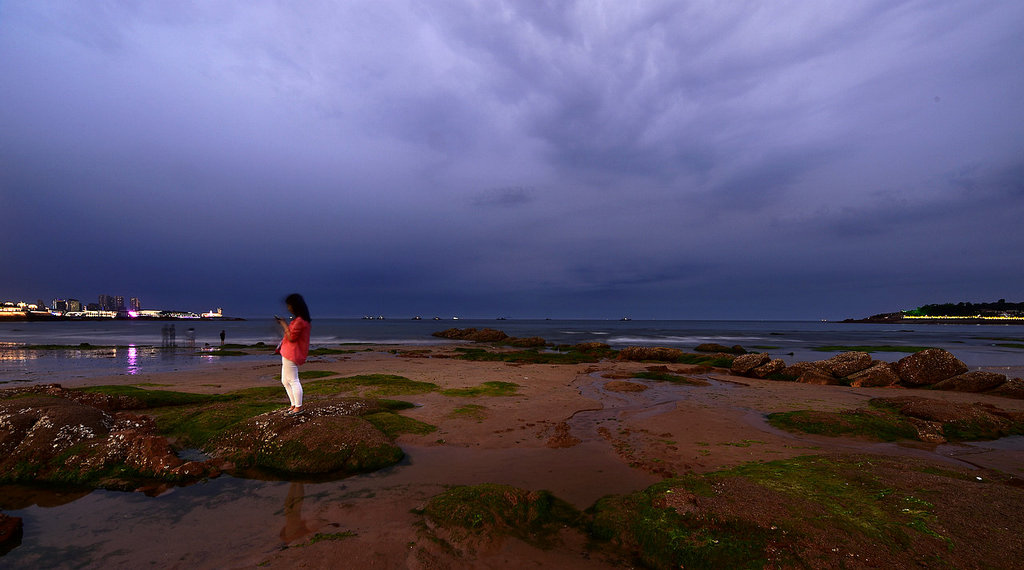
[907, 417]
[327, 438]
[808, 512]
[643, 353]
[56, 440]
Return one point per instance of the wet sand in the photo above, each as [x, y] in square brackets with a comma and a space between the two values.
[566, 431]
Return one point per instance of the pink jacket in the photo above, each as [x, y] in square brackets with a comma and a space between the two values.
[296, 349]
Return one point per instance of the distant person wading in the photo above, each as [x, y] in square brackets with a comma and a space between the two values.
[293, 349]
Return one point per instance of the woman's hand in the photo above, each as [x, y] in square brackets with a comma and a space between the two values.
[284, 326]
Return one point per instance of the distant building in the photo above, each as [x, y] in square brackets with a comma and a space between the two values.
[59, 305]
[74, 305]
[119, 303]
[106, 303]
[135, 305]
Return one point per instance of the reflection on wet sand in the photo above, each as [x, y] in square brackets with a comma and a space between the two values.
[294, 525]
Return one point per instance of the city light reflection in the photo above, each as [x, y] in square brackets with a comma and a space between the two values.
[133, 360]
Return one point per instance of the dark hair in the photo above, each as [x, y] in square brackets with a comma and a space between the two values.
[298, 305]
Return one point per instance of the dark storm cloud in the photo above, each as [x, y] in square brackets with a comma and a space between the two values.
[594, 158]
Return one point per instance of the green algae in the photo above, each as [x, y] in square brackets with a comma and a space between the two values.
[494, 388]
[470, 411]
[876, 424]
[883, 422]
[394, 425]
[670, 377]
[382, 385]
[812, 495]
[156, 398]
[321, 537]
[497, 510]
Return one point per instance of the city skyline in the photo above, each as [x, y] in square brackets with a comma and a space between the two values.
[105, 306]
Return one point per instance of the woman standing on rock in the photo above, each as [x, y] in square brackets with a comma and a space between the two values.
[293, 349]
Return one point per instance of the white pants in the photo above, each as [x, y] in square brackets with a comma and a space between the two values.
[290, 379]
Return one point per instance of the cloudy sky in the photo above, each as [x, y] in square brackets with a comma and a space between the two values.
[593, 159]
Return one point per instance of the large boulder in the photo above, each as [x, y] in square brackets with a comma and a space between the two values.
[807, 373]
[769, 368]
[976, 381]
[846, 363]
[1013, 388]
[475, 335]
[45, 439]
[819, 378]
[641, 353]
[928, 367]
[960, 421]
[745, 363]
[880, 374]
[35, 430]
[327, 438]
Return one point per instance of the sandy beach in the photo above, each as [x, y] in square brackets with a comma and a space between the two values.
[580, 431]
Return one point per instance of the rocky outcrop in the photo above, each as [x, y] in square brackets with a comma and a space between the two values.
[808, 373]
[846, 363]
[475, 335]
[492, 336]
[641, 353]
[1014, 388]
[329, 437]
[879, 375]
[715, 347]
[931, 368]
[976, 381]
[47, 439]
[928, 367]
[743, 364]
[768, 369]
[940, 420]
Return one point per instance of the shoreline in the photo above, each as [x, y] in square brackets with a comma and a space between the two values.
[626, 441]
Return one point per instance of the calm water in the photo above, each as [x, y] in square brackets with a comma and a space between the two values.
[135, 347]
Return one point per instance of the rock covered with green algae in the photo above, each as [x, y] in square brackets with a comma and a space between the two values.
[329, 437]
[907, 418]
[818, 512]
[56, 440]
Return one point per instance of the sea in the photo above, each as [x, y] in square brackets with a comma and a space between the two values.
[137, 347]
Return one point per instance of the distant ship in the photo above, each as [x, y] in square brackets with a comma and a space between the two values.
[625, 319]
